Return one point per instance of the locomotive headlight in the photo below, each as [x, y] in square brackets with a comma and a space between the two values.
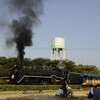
[12, 76]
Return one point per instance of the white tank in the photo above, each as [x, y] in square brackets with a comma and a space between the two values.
[58, 42]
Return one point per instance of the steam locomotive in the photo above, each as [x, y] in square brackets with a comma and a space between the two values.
[39, 75]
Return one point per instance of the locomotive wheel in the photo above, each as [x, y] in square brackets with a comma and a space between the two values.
[53, 79]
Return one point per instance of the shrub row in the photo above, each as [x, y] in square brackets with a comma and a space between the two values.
[75, 86]
[28, 87]
[33, 87]
[3, 82]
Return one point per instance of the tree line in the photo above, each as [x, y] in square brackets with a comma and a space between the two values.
[7, 64]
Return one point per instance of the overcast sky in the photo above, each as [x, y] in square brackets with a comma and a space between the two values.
[78, 21]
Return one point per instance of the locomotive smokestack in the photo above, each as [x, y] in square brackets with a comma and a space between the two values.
[28, 12]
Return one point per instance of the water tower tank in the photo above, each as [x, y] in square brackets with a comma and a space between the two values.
[58, 48]
[58, 42]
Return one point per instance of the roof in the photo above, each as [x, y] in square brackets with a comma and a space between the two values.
[91, 75]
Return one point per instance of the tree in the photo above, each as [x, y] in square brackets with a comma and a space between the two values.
[27, 62]
[87, 69]
[3, 60]
[53, 64]
[65, 64]
[69, 65]
[40, 62]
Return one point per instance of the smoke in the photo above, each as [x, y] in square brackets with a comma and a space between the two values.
[28, 12]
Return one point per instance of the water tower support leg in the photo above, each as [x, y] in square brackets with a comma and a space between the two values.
[58, 54]
[52, 54]
[64, 57]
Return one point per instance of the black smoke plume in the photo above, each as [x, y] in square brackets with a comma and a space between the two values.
[28, 12]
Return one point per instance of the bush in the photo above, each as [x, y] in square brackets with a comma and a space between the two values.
[33, 87]
[28, 87]
[75, 86]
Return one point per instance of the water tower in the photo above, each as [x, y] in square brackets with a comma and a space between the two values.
[58, 49]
